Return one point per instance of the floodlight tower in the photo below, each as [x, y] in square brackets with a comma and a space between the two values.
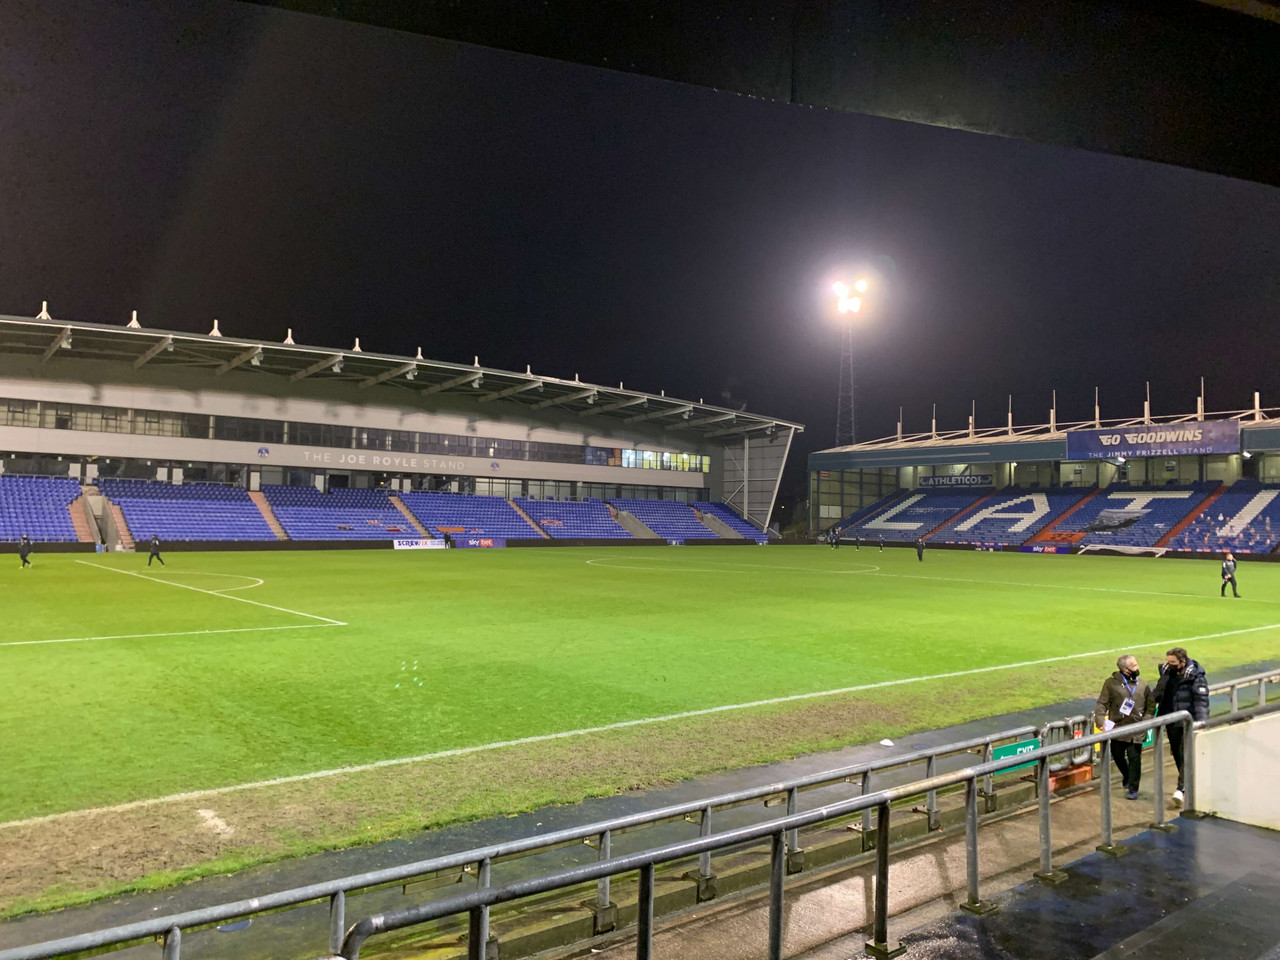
[849, 305]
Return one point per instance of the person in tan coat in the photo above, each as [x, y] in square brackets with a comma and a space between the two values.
[1126, 699]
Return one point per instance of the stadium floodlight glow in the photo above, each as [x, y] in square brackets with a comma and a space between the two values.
[860, 285]
[849, 304]
[841, 289]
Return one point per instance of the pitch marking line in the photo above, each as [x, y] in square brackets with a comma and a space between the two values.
[169, 633]
[215, 593]
[604, 728]
[875, 571]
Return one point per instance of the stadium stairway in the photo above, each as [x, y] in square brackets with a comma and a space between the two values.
[719, 527]
[78, 508]
[122, 528]
[413, 521]
[1045, 535]
[1191, 515]
[632, 524]
[529, 520]
[260, 501]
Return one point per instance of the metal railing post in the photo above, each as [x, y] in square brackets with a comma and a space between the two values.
[337, 920]
[989, 782]
[1235, 698]
[866, 814]
[1159, 822]
[795, 857]
[644, 914]
[172, 944]
[605, 914]
[478, 922]
[704, 859]
[931, 798]
[879, 945]
[1046, 873]
[1262, 692]
[1108, 844]
[973, 903]
[602, 885]
[777, 872]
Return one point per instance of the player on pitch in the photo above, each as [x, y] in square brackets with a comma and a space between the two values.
[1229, 575]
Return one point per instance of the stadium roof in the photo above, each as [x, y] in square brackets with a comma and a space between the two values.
[50, 339]
[1260, 430]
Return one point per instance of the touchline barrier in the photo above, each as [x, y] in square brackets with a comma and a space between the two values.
[782, 834]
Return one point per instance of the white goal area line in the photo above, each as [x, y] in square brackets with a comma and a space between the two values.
[215, 593]
[605, 728]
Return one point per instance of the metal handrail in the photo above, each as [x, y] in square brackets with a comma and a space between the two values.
[478, 903]
[602, 831]
[1234, 686]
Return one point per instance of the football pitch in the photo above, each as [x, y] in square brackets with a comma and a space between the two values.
[129, 684]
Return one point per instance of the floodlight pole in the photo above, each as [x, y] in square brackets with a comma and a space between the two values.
[845, 427]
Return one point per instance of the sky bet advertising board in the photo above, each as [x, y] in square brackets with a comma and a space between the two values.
[1155, 440]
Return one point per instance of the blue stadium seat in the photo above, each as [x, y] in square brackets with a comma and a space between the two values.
[669, 519]
[307, 514]
[574, 519]
[37, 506]
[1244, 519]
[186, 512]
[1123, 515]
[1012, 516]
[731, 519]
[468, 515]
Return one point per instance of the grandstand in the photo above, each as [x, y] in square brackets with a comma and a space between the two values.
[1010, 517]
[459, 514]
[725, 515]
[193, 511]
[38, 507]
[1243, 519]
[574, 520]
[668, 519]
[116, 433]
[1184, 485]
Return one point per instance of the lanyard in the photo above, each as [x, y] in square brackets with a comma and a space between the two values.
[1127, 687]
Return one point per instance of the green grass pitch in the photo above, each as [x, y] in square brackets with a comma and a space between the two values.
[439, 650]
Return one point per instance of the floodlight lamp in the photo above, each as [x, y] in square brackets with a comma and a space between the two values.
[1246, 454]
[1120, 461]
[860, 285]
[841, 289]
[843, 305]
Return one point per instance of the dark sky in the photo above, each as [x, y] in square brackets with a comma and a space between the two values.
[192, 160]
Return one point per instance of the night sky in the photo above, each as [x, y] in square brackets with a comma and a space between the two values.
[199, 160]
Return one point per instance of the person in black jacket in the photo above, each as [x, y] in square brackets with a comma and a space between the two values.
[155, 551]
[24, 551]
[1229, 575]
[920, 549]
[1183, 685]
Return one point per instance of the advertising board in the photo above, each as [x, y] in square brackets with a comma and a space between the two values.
[1156, 440]
[958, 480]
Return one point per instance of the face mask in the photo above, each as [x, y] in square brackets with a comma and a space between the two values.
[1132, 674]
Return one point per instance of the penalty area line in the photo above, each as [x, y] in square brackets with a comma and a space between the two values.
[604, 728]
[215, 593]
[168, 633]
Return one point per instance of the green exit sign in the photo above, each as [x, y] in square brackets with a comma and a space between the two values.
[1016, 750]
